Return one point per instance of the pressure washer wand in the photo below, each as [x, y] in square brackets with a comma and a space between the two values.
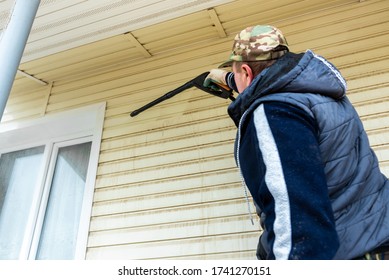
[222, 92]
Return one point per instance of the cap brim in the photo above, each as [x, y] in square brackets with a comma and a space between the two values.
[226, 64]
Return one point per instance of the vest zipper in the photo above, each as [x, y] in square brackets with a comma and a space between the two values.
[240, 170]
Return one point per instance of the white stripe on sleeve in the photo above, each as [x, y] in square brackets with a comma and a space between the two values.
[275, 181]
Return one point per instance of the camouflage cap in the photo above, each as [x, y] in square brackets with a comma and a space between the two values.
[255, 43]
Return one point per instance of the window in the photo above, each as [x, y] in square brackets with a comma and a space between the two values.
[18, 179]
[46, 184]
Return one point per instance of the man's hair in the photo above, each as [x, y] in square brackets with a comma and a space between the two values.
[256, 66]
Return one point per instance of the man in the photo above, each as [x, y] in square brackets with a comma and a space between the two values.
[303, 153]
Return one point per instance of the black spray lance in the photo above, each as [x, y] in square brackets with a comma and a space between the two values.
[222, 91]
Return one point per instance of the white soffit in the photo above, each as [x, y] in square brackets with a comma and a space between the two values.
[65, 24]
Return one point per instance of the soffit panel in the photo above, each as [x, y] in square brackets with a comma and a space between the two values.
[169, 37]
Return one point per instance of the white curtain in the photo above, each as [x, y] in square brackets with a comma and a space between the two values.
[18, 178]
[60, 227]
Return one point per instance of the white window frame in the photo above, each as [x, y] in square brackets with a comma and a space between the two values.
[54, 131]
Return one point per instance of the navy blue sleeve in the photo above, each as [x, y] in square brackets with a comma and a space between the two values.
[230, 81]
[288, 183]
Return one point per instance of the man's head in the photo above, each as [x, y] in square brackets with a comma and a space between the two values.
[255, 48]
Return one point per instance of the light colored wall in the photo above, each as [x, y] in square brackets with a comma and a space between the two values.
[167, 184]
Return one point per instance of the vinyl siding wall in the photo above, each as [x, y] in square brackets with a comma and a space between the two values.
[167, 183]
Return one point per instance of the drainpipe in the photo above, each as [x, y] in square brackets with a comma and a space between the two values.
[12, 44]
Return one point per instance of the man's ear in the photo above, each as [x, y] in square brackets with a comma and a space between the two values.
[248, 73]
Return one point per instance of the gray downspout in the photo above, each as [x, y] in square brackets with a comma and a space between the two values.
[12, 44]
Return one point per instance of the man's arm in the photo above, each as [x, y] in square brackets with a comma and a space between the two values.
[289, 184]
